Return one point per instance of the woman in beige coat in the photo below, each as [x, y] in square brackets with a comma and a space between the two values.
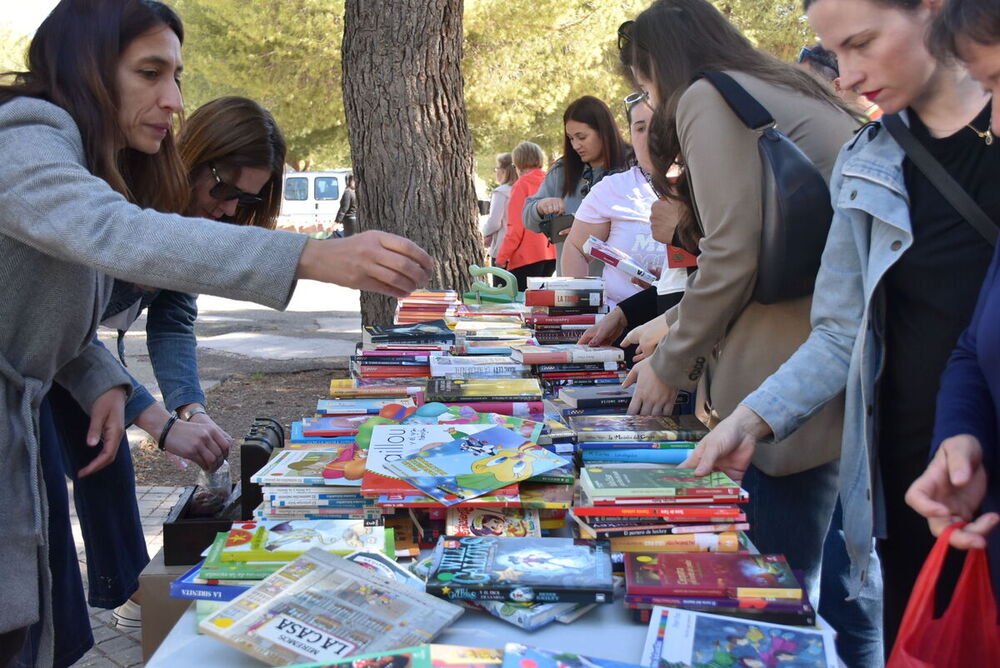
[717, 339]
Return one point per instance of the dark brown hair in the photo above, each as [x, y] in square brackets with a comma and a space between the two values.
[236, 132]
[672, 41]
[908, 5]
[973, 20]
[72, 63]
[595, 114]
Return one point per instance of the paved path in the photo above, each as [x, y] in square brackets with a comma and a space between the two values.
[318, 329]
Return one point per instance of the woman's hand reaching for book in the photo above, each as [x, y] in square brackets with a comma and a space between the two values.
[373, 260]
[647, 337]
[729, 447]
[652, 396]
[107, 424]
[605, 331]
[952, 489]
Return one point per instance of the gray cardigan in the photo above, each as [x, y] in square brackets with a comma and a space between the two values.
[63, 234]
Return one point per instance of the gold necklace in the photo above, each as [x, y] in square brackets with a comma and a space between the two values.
[986, 135]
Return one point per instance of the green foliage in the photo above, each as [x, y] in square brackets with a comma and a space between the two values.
[524, 62]
[13, 50]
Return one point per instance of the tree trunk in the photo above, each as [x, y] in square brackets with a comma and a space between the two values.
[410, 143]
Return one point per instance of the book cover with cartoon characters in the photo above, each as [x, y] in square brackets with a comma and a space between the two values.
[484, 522]
[343, 467]
[523, 570]
[282, 541]
[516, 655]
[474, 465]
[678, 638]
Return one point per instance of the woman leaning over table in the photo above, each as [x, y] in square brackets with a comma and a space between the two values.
[85, 141]
[234, 157]
[962, 482]
[592, 148]
[884, 320]
[720, 341]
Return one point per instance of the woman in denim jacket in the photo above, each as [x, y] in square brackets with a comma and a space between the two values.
[880, 228]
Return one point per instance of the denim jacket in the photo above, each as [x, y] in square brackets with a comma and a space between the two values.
[170, 340]
[870, 232]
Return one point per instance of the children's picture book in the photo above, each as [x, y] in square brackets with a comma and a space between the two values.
[678, 638]
[283, 541]
[636, 481]
[393, 442]
[485, 522]
[637, 428]
[483, 389]
[474, 464]
[597, 396]
[333, 425]
[215, 568]
[321, 607]
[711, 574]
[386, 567]
[509, 498]
[516, 655]
[327, 407]
[546, 495]
[344, 467]
[523, 570]
[565, 353]
[456, 415]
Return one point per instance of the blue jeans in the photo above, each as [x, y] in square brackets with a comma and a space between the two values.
[793, 515]
[858, 622]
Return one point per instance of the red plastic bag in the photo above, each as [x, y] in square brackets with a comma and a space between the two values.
[966, 634]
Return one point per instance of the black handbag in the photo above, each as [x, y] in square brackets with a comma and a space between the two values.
[796, 202]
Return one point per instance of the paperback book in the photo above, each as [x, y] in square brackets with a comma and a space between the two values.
[718, 574]
[330, 407]
[678, 637]
[516, 655]
[481, 522]
[321, 607]
[614, 397]
[618, 259]
[521, 569]
[424, 656]
[343, 467]
[432, 331]
[566, 353]
[283, 541]
[637, 428]
[483, 389]
[474, 464]
[610, 481]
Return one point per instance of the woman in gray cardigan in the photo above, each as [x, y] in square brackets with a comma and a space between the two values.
[85, 139]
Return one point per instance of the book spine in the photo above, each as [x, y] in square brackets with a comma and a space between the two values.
[659, 435]
[511, 408]
[638, 445]
[597, 402]
[581, 319]
[691, 542]
[564, 297]
[577, 367]
[205, 592]
[499, 370]
[657, 511]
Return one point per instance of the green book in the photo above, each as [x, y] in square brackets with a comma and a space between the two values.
[603, 481]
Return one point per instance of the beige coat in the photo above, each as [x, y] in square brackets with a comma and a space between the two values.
[721, 341]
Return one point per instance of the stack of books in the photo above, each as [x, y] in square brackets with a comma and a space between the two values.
[761, 587]
[636, 438]
[656, 508]
[477, 366]
[424, 305]
[370, 407]
[391, 363]
[509, 396]
[563, 308]
[573, 365]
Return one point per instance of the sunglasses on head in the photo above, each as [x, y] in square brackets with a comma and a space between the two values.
[633, 99]
[805, 53]
[226, 192]
[625, 34]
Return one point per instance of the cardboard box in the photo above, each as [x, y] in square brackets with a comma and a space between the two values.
[160, 612]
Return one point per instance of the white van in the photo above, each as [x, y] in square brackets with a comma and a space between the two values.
[310, 200]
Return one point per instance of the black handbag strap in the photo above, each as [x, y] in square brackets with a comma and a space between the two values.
[744, 105]
[942, 180]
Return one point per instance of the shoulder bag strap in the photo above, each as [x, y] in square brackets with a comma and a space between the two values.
[744, 105]
[942, 180]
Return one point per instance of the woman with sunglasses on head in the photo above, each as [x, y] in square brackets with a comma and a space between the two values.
[234, 155]
[592, 147]
[962, 482]
[717, 339]
[86, 142]
[884, 318]
[494, 228]
[617, 210]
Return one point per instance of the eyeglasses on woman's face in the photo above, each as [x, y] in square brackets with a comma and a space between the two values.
[226, 192]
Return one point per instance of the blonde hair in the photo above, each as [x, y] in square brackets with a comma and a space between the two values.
[508, 173]
[527, 155]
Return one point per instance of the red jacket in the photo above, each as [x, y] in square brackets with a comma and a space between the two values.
[521, 246]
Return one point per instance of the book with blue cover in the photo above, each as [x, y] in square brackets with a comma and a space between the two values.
[475, 464]
[516, 655]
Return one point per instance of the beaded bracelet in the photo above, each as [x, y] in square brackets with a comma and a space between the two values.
[161, 443]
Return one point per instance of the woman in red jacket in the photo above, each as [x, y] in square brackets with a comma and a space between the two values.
[525, 253]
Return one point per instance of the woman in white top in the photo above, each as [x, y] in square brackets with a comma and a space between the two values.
[494, 228]
[616, 210]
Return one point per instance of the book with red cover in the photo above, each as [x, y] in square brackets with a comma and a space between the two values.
[564, 297]
[679, 512]
[710, 574]
[619, 259]
[566, 353]
[678, 257]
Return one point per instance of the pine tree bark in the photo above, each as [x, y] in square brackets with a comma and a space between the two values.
[410, 143]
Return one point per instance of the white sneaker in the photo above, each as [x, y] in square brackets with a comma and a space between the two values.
[128, 615]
